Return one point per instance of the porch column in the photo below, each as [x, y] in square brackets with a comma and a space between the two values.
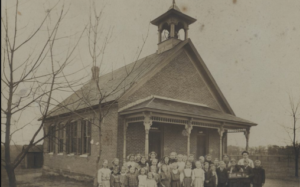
[221, 132]
[188, 128]
[247, 134]
[125, 126]
[147, 124]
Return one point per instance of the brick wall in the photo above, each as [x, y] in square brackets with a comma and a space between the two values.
[178, 80]
[173, 139]
[65, 164]
[135, 139]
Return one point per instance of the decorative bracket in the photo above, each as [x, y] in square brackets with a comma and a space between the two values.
[247, 133]
[221, 130]
[147, 121]
[189, 126]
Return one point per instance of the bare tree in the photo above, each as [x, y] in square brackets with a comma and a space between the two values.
[98, 40]
[292, 132]
[30, 72]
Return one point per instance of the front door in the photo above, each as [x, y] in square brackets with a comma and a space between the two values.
[155, 142]
[201, 145]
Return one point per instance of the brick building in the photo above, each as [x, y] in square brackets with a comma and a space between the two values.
[168, 102]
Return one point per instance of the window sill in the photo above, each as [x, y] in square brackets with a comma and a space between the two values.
[72, 154]
[84, 156]
[50, 153]
[60, 154]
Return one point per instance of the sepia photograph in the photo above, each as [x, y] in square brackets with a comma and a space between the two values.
[150, 93]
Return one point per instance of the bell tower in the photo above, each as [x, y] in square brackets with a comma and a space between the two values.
[169, 24]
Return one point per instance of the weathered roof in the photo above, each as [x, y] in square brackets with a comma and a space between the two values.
[112, 84]
[173, 12]
[34, 149]
[185, 109]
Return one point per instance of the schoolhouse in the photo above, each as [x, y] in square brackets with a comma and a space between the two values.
[169, 102]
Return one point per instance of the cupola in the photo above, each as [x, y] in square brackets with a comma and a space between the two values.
[169, 24]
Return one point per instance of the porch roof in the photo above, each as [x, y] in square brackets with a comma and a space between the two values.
[181, 108]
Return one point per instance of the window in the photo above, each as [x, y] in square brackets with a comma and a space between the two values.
[78, 137]
[86, 136]
[51, 138]
[71, 131]
[60, 138]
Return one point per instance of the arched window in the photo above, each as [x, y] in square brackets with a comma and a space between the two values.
[181, 34]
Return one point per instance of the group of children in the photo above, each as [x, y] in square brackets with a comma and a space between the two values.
[180, 171]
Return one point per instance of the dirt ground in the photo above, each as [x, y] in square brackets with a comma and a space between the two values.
[34, 178]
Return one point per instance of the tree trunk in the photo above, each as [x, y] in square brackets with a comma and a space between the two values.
[11, 176]
[296, 165]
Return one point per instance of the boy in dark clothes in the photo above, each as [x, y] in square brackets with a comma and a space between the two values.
[233, 169]
[207, 175]
[208, 159]
[258, 175]
[191, 159]
[247, 171]
[222, 175]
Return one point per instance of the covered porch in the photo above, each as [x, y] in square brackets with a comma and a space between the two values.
[164, 125]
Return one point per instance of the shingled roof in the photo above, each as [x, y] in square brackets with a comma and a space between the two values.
[182, 108]
[112, 84]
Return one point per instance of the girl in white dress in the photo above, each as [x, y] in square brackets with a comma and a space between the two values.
[150, 182]
[180, 162]
[142, 178]
[104, 175]
[198, 175]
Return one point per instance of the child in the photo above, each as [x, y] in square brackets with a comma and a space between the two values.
[208, 159]
[184, 158]
[131, 162]
[123, 174]
[226, 161]
[173, 158]
[138, 157]
[152, 157]
[115, 178]
[216, 163]
[131, 179]
[165, 176]
[153, 170]
[164, 161]
[202, 160]
[222, 175]
[142, 178]
[186, 175]
[234, 168]
[258, 175]
[115, 163]
[214, 177]
[181, 164]
[143, 163]
[191, 159]
[247, 170]
[207, 174]
[104, 175]
[175, 176]
[150, 182]
[154, 162]
[198, 175]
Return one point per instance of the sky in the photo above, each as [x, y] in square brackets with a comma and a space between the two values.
[252, 49]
